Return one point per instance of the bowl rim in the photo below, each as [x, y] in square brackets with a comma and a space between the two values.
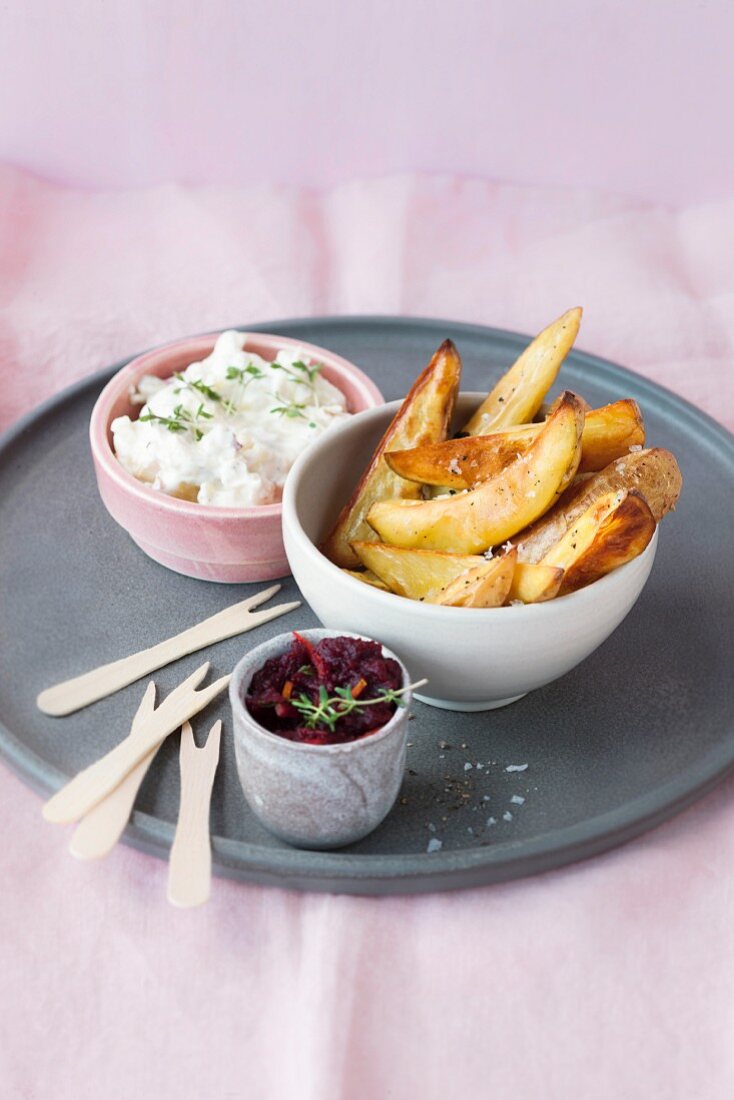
[343, 747]
[427, 610]
[100, 418]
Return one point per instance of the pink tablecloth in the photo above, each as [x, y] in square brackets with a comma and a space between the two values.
[612, 979]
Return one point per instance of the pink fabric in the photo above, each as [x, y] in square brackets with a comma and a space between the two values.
[609, 979]
[617, 94]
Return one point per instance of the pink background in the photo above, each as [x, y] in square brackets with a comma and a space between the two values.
[610, 980]
[617, 94]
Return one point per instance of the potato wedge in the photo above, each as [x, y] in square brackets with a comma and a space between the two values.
[520, 391]
[417, 574]
[612, 531]
[535, 583]
[609, 432]
[654, 473]
[368, 577]
[486, 585]
[469, 523]
[424, 417]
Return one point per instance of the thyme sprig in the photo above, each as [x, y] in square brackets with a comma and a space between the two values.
[330, 709]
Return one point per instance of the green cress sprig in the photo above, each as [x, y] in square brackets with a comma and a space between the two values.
[330, 709]
[180, 420]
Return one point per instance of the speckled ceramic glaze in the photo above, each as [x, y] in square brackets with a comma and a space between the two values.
[475, 659]
[315, 796]
[217, 544]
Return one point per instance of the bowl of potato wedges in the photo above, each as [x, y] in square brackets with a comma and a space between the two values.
[493, 540]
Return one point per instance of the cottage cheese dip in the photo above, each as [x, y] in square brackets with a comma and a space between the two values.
[227, 430]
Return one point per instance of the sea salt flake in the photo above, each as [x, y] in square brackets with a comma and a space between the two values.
[489, 553]
[485, 798]
[454, 467]
[507, 546]
[491, 821]
[516, 603]
[468, 767]
[434, 845]
[636, 447]
[516, 767]
[507, 816]
[517, 799]
[431, 827]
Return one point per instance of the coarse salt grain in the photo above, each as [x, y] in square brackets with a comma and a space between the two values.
[517, 799]
[636, 447]
[454, 467]
[507, 816]
[516, 767]
[434, 845]
[468, 767]
[491, 821]
[489, 553]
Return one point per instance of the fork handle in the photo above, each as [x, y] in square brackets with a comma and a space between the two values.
[190, 862]
[100, 829]
[74, 694]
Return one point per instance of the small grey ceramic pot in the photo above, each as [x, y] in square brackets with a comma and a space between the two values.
[316, 796]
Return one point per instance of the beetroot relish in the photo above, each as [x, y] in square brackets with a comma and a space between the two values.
[330, 663]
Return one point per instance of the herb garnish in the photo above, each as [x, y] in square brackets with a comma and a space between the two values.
[244, 375]
[180, 420]
[331, 708]
[197, 385]
[310, 372]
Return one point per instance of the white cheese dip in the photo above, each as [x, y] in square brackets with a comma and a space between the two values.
[227, 430]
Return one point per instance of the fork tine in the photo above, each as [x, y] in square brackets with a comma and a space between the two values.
[273, 612]
[206, 694]
[211, 745]
[190, 683]
[147, 704]
[188, 745]
[261, 597]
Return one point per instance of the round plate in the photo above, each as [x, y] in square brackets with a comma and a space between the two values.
[628, 738]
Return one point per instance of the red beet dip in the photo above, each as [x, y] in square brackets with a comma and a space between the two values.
[305, 670]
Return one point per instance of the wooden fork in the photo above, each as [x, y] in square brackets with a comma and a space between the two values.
[190, 863]
[100, 829]
[90, 786]
[74, 694]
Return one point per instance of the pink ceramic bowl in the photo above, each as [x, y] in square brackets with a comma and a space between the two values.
[232, 545]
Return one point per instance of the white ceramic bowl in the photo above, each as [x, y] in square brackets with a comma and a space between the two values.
[316, 796]
[475, 659]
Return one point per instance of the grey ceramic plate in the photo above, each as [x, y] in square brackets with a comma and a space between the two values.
[630, 737]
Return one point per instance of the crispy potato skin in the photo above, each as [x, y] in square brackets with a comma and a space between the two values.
[486, 585]
[654, 473]
[501, 506]
[618, 535]
[424, 417]
[609, 432]
[416, 574]
[535, 583]
[520, 392]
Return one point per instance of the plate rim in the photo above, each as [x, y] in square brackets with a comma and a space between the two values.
[414, 872]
